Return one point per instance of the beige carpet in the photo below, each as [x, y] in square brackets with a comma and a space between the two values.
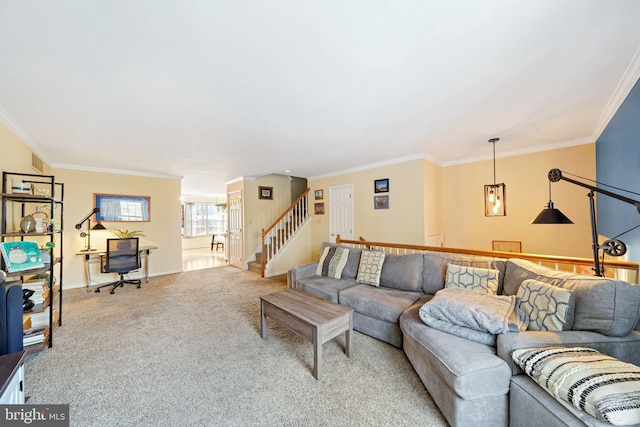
[185, 350]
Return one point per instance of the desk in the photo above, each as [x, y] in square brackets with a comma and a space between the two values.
[93, 257]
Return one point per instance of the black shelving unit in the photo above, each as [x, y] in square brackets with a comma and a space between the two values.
[44, 193]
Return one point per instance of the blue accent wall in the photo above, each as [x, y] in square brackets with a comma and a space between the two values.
[618, 164]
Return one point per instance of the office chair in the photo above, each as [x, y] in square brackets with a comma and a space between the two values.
[122, 257]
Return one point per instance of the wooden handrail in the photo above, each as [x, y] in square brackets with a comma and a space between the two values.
[289, 209]
[302, 215]
[554, 259]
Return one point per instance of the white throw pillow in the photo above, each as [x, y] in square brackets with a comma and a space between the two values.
[370, 268]
[483, 280]
[606, 388]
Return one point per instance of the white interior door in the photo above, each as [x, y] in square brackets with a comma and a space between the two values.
[341, 212]
[235, 228]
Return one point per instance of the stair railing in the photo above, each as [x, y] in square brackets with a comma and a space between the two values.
[282, 230]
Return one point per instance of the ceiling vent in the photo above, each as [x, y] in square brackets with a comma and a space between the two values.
[37, 163]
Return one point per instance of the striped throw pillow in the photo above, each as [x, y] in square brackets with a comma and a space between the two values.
[332, 262]
[602, 386]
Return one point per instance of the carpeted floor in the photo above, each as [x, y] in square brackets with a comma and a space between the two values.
[185, 350]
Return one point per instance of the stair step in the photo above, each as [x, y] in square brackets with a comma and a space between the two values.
[254, 266]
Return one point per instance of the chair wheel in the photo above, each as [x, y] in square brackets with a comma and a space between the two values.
[97, 290]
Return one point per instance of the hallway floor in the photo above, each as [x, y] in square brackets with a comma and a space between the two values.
[199, 258]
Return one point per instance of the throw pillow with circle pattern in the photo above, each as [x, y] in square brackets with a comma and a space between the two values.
[483, 280]
[370, 268]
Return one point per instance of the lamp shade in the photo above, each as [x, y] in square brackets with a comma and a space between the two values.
[551, 215]
[98, 226]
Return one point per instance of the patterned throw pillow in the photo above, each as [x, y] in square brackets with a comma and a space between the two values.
[549, 308]
[370, 267]
[474, 278]
[605, 388]
[332, 262]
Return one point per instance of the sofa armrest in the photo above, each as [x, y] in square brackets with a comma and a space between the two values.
[300, 272]
[625, 348]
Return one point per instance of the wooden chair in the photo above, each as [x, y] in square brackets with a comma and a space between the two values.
[217, 243]
[506, 245]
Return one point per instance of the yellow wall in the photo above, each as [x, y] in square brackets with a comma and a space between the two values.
[527, 192]
[163, 230]
[259, 214]
[403, 222]
[15, 155]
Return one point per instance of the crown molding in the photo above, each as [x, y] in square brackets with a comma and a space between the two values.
[15, 127]
[530, 150]
[627, 82]
[115, 171]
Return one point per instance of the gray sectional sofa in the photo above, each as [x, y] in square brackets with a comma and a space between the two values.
[475, 384]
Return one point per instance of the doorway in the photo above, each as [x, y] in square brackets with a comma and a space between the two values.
[341, 212]
[235, 229]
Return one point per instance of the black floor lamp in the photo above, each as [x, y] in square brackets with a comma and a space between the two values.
[550, 215]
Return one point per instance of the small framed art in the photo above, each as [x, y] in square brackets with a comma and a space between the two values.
[265, 193]
[318, 208]
[380, 202]
[319, 194]
[381, 185]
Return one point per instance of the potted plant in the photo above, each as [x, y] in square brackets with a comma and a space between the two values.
[126, 234]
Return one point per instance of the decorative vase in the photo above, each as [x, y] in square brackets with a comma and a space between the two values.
[28, 224]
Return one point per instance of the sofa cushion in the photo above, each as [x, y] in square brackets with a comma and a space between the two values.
[370, 268]
[477, 279]
[325, 287]
[402, 272]
[378, 302]
[602, 305]
[435, 268]
[471, 369]
[549, 308]
[332, 261]
[600, 385]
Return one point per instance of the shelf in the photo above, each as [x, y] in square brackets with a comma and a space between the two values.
[31, 272]
[46, 191]
[21, 234]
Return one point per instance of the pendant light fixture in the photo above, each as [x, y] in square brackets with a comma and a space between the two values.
[494, 194]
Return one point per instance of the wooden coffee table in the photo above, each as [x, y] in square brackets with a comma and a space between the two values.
[315, 319]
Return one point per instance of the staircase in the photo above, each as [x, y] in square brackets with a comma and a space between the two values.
[277, 235]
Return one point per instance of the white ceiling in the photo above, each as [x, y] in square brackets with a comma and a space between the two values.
[213, 90]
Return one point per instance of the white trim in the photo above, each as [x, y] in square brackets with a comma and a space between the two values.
[137, 275]
[628, 80]
[14, 127]
[372, 166]
[548, 147]
[115, 171]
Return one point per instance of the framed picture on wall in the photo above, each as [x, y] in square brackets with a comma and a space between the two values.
[319, 194]
[265, 193]
[381, 185]
[381, 202]
[318, 208]
[122, 208]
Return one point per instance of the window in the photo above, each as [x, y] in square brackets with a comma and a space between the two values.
[201, 219]
[121, 208]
